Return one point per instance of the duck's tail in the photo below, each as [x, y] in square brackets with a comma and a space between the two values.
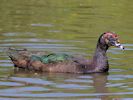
[16, 54]
[19, 57]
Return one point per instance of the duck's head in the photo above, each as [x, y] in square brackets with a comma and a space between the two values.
[111, 39]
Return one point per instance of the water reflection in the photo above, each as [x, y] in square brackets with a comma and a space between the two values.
[54, 85]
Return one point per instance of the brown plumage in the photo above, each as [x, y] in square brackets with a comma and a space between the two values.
[41, 61]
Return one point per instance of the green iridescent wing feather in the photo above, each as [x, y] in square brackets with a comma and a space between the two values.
[51, 58]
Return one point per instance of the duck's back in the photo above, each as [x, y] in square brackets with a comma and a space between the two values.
[47, 62]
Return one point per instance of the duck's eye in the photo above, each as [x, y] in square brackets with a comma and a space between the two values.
[112, 41]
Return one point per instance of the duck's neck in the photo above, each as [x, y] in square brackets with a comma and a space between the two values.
[100, 61]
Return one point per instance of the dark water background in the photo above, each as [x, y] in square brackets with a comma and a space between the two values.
[70, 26]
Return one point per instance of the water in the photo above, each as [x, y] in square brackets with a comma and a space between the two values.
[70, 26]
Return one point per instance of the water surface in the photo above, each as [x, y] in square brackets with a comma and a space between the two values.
[68, 26]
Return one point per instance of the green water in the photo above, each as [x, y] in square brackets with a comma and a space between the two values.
[72, 27]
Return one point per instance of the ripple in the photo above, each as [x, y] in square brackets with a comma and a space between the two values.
[62, 94]
[39, 46]
[116, 78]
[11, 34]
[24, 89]
[129, 88]
[54, 31]
[44, 25]
[115, 85]
[4, 61]
[10, 84]
[115, 51]
[5, 64]
[12, 98]
[130, 45]
[72, 86]
[119, 77]
[117, 70]
[40, 40]
[85, 77]
[79, 81]
[32, 81]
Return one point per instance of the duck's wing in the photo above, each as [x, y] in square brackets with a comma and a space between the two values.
[81, 60]
[21, 57]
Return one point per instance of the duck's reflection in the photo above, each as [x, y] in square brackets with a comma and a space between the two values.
[99, 84]
[99, 81]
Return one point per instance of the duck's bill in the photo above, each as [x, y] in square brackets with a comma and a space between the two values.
[119, 45]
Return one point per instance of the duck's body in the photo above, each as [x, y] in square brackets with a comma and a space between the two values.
[65, 63]
[33, 61]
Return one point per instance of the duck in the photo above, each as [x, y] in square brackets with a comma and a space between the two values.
[64, 63]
